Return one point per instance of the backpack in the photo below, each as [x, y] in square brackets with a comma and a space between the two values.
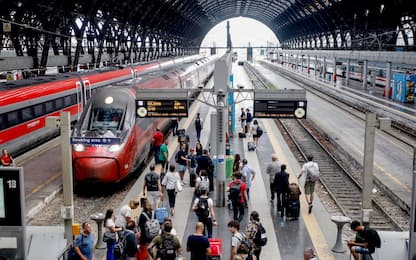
[235, 191]
[249, 117]
[245, 246]
[151, 227]
[260, 239]
[151, 182]
[167, 249]
[202, 209]
[204, 184]
[120, 247]
[259, 131]
[312, 172]
[375, 238]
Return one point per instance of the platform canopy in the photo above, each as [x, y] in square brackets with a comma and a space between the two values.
[115, 27]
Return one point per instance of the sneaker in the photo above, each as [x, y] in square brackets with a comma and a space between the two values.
[310, 209]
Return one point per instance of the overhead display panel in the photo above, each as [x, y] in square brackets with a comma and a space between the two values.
[162, 103]
[280, 104]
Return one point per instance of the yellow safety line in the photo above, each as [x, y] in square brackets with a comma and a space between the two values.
[314, 230]
[52, 178]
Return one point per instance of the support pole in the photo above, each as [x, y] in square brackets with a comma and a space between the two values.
[370, 128]
[221, 128]
[347, 73]
[412, 229]
[67, 211]
[365, 72]
[388, 80]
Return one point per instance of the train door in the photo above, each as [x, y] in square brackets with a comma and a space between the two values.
[84, 93]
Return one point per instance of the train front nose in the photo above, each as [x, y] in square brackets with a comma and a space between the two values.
[96, 170]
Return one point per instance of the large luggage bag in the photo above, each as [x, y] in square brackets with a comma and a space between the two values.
[161, 214]
[293, 209]
[251, 146]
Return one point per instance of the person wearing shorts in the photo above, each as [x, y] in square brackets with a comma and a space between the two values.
[309, 183]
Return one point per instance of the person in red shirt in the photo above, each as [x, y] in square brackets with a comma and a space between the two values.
[157, 142]
[237, 199]
[6, 159]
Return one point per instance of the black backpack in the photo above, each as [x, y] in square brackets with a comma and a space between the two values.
[375, 238]
[235, 191]
[151, 182]
[260, 238]
[167, 249]
[202, 209]
[259, 131]
[177, 157]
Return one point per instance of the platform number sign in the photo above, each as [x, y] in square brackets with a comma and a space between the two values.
[11, 197]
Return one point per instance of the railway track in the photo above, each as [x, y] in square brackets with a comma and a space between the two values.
[340, 184]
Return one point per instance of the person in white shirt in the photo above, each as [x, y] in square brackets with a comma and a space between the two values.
[125, 213]
[169, 182]
[110, 227]
[309, 182]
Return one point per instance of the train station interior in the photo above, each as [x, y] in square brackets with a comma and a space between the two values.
[94, 95]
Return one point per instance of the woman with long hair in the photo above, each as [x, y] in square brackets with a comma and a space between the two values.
[237, 163]
[169, 182]
[110, 226]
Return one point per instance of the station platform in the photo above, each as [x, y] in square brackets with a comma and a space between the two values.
[286, 239]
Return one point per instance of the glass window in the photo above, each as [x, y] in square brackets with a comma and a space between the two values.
[39, 110]
[67, 101]
[12, 118]
[59, 103]
[2, 122]
[49, 107]
[27, 114]
[106, 118]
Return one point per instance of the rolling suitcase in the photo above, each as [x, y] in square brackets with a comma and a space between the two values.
[161, 214]
[242, 135]
[293, 209]
[251, 146]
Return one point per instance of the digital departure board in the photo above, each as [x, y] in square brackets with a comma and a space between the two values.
[162, 108]
[280, 109]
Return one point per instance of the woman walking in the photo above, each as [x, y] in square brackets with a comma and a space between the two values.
[169, 182]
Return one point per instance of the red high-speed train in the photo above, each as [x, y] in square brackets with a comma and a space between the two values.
[25, 104]
[111, 113]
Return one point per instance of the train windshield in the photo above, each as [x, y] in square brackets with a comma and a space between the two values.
[106, 118]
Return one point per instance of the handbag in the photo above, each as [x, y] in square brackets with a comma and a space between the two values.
[178, 187]
[109, 237]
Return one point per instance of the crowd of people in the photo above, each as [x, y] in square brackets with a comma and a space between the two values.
[148, 237]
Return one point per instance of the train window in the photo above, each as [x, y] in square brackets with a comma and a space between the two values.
[2, 122]
[165, 76]
[49, 107]
[106, 118]
[38, 110]
[67, 101]
[59, 103]
[12, 118]
[27, 114]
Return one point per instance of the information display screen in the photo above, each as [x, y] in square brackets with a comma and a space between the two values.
[162, 108]
[280, 109]
[2, 207]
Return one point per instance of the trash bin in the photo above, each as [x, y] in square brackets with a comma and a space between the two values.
[229, 161]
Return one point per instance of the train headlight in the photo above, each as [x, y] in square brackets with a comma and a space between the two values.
[78, 147]
[114, 148]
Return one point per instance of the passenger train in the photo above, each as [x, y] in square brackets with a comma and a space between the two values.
[25, 104]
[111, 113]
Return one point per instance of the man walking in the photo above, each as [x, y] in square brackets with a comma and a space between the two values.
[204, 162]
[243, 120]
[198, 127]
[311, 169]
[271, 169]
[157, 142]
[198, 244]
[164, 156]
[248, 175]
[152, 187]
[238, 194]
[281, 186]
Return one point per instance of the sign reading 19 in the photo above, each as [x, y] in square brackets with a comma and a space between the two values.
[12, 184]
